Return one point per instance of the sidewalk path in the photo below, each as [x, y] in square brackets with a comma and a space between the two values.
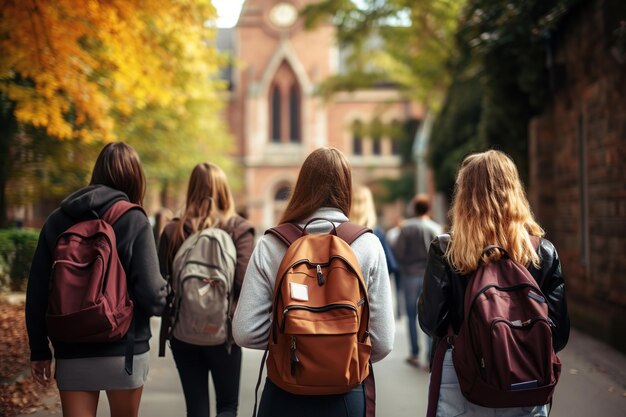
[593, 383]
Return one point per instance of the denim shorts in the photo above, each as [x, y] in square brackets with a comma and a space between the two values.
[452, 403]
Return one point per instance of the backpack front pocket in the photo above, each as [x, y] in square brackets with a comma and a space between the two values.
[323, 346]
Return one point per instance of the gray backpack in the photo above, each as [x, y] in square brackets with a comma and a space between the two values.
[202, 283]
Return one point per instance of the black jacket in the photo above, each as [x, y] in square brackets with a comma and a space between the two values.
[441, 302]
[137, 251]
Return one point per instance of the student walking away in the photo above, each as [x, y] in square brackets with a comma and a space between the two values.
[363, 212]
[318, 303]
[411, 249]
[496, 281]
[204, 256]
[93, 285]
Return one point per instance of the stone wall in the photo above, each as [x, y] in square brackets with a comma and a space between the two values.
[578, 167]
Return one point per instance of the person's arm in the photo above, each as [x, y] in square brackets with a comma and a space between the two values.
[553, 287]
[37, 301]
[243, 237]
[147, 285]
[252, 320]
[164, 253]
[382, 324]
[434, 302]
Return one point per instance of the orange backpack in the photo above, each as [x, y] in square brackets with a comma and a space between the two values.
[319, 341]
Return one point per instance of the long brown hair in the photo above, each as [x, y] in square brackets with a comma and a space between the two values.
[490, 208]
[118, 167]
[209, 201]
[325, 180]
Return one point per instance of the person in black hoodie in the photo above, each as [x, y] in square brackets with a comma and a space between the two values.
[82, 370]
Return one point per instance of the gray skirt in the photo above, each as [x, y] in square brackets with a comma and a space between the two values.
[101, 373]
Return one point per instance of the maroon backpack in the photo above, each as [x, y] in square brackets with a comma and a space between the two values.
[88, 300]
[503, 353]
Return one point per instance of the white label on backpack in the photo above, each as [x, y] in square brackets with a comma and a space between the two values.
[299, 292]
[203, 290]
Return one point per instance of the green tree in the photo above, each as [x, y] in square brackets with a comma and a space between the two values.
[404, 42]
[501, 81]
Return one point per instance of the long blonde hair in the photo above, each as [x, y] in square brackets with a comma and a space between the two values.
[325, 180]
[363, 210]
[209, 201]
[490, 208]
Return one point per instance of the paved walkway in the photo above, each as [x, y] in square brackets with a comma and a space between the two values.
[593, 383]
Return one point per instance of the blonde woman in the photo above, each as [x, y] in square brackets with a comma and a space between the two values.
[209, 204]
[489, 208]
[363, 212]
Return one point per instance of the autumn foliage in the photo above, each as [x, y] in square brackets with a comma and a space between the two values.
[93, 71]
[67, 64]
[18, 392]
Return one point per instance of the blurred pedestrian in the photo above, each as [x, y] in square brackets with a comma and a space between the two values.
[411, 249]
[363, 212]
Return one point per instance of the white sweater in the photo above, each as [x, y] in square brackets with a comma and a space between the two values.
[252, 321]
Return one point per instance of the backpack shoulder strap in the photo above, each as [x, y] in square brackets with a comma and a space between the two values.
[118, 209]
[349, 231]
[286, 232]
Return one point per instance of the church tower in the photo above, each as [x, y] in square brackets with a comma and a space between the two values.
[276, 117]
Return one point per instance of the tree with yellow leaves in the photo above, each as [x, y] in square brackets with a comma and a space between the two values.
[95, 71]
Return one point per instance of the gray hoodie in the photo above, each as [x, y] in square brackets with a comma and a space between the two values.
[252, 321]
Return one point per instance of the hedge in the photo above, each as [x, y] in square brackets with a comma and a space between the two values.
[17, 247]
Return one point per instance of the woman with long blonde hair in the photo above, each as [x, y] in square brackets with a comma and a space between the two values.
[363, 212]
[209, 204]
[489, 208]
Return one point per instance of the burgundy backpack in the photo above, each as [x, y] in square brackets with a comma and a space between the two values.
[88, 300]
[503, 353]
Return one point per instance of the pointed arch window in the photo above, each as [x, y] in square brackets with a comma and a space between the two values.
[276, 114]
[294, 114]
[286, 107]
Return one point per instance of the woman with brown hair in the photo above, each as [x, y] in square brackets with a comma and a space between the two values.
[82, 370]
[489, 208]
[323, 191]
[209, 204]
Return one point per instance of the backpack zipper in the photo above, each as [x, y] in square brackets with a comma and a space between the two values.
[518, 324]
[320, 277]
[315, 310]
[319, 309]
[294, 356]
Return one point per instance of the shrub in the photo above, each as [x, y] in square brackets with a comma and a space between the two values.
[7, 252]
[17, 247]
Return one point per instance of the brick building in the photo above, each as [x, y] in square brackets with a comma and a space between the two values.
[578, 166]
[277, 118]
